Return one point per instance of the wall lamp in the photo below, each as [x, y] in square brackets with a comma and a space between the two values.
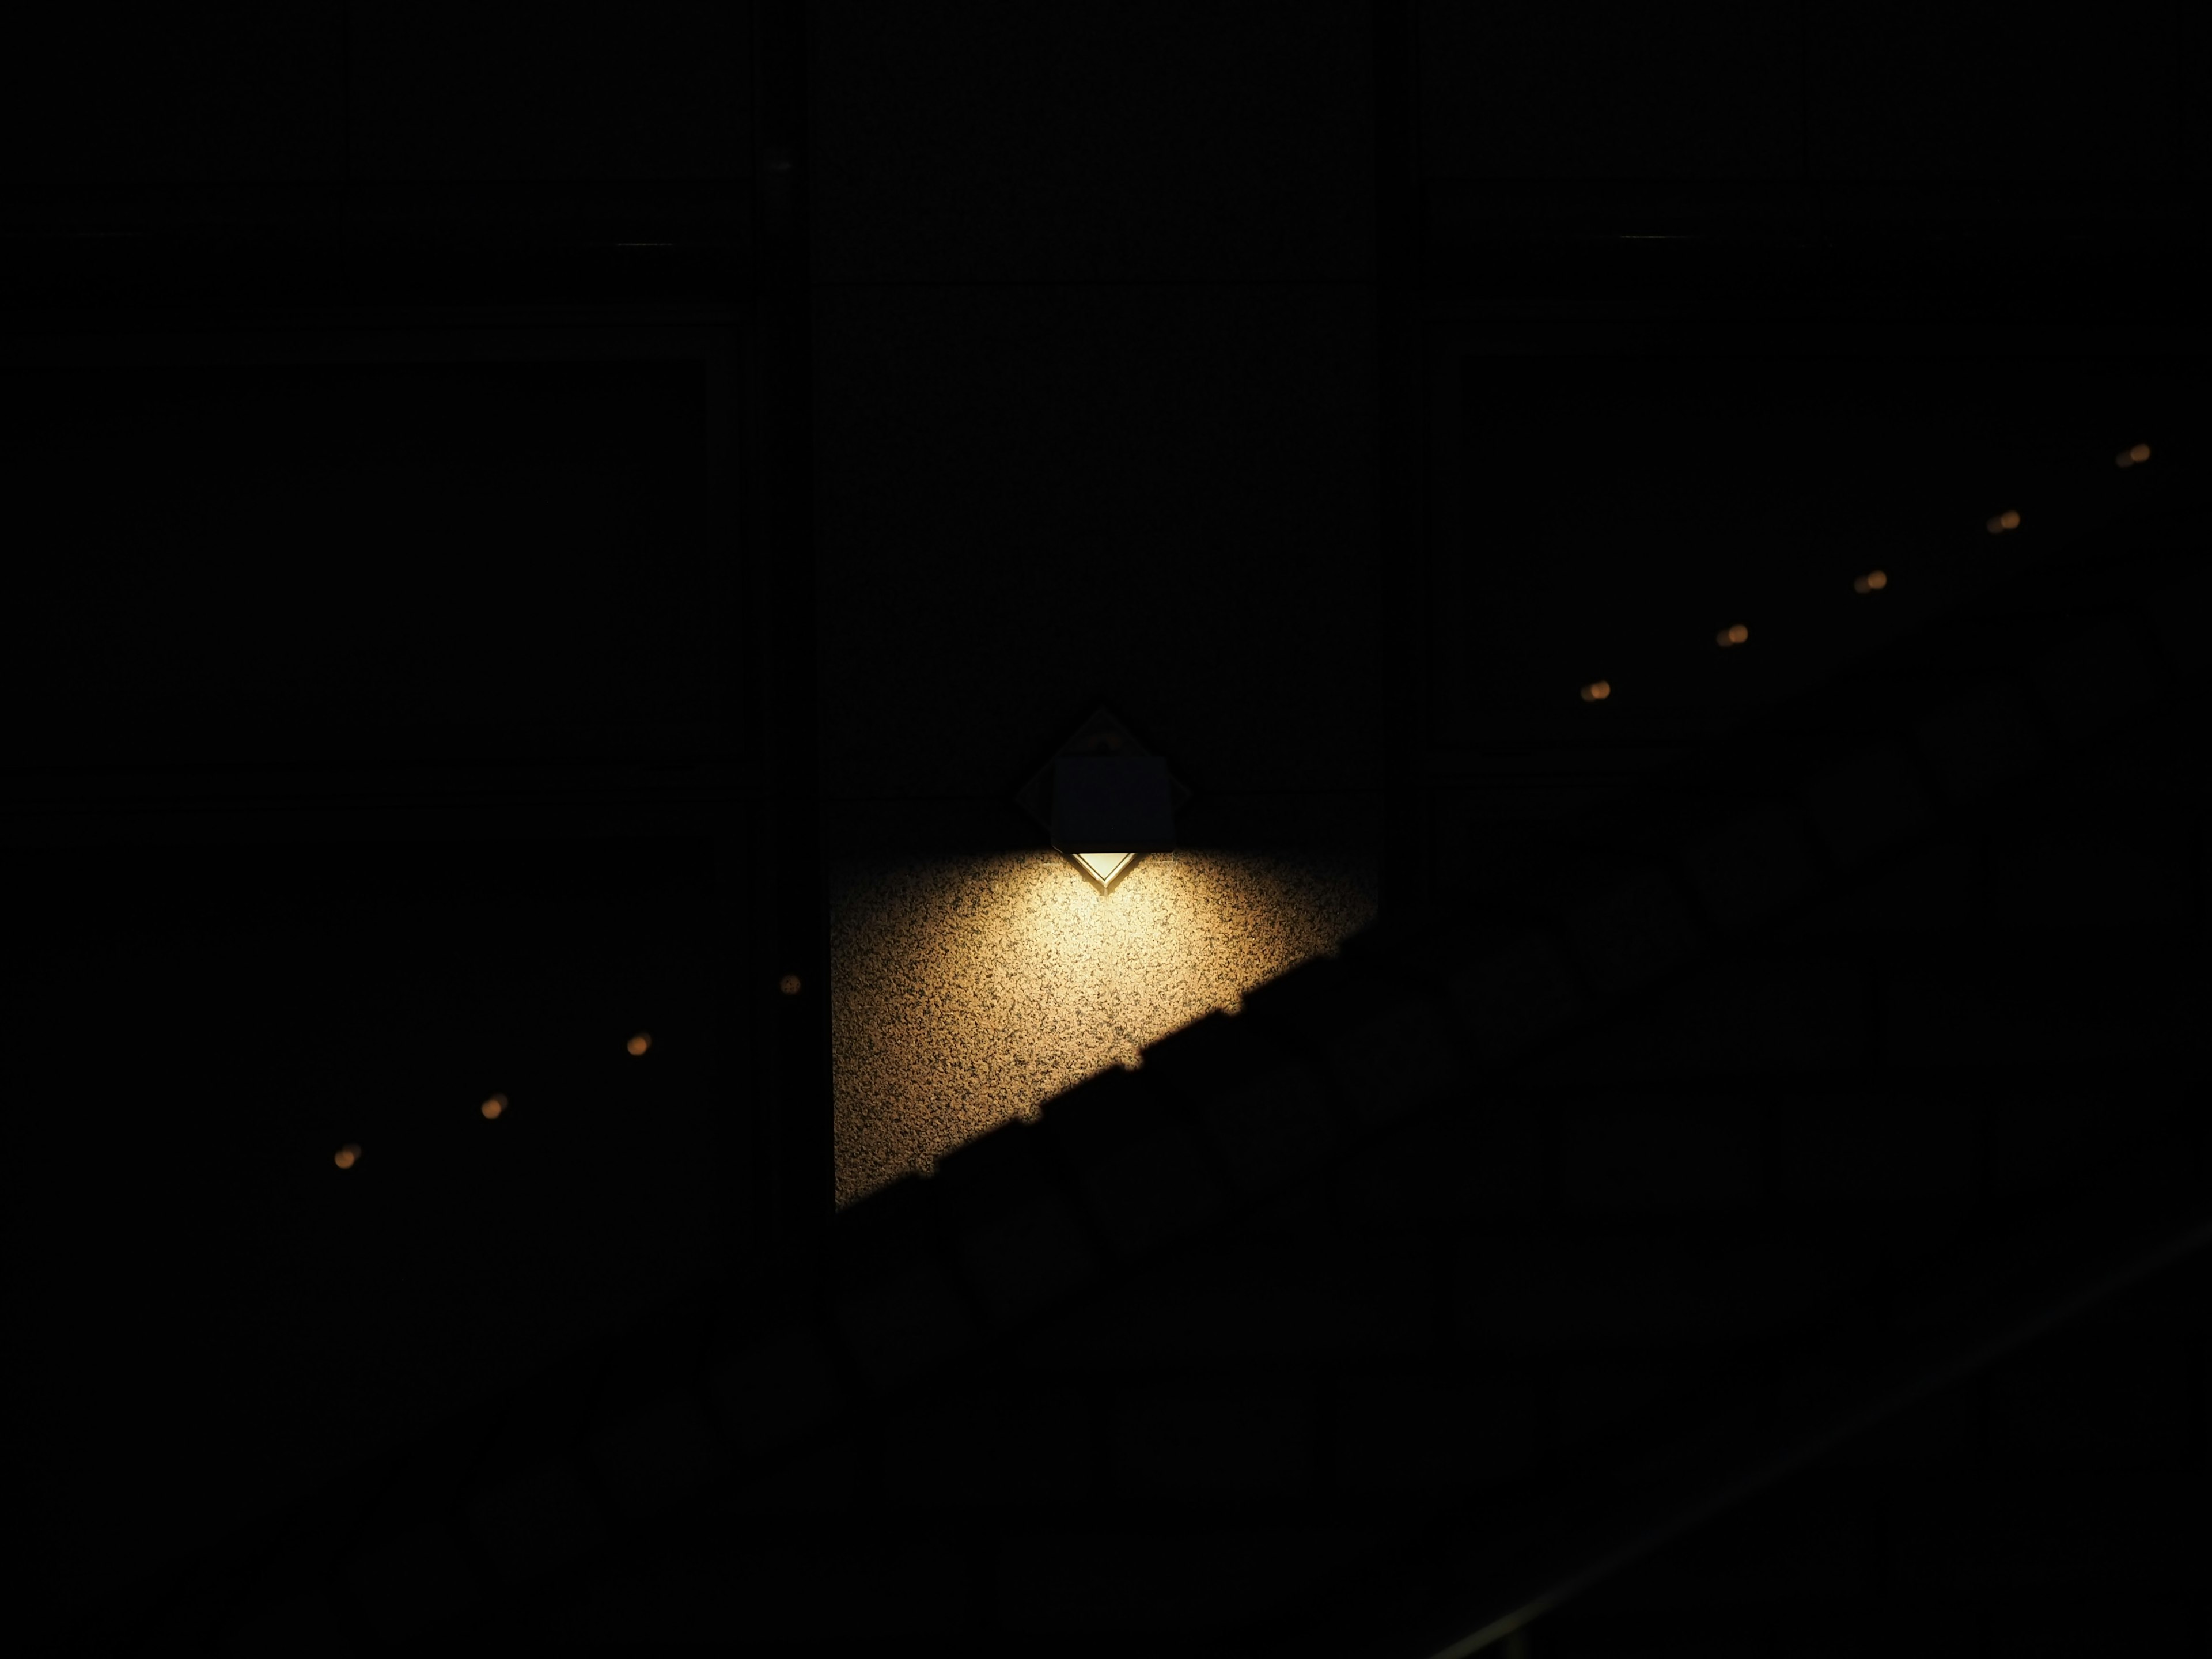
[1105, 800]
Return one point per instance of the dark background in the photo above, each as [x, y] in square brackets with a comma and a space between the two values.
[481, 531]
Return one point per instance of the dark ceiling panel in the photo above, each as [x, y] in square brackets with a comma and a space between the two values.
[265, 560]
[1901, 91]
[1823, 88]
[1609, 88]
[513, 90]
[170, 94]
[1156, 140]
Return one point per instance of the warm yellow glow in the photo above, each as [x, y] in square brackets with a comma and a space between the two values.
[1104, 865]
[1597, 691]
[2005, 520]
[493, 1107]
[640, 1044]
[1734, 636]
[968, 992]
[348, 1155]
[788, 985]
[1869, 583]
[2130, 457]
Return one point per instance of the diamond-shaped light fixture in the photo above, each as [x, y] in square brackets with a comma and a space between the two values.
[1105, 800]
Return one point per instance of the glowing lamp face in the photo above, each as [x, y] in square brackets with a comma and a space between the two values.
[1109, 809]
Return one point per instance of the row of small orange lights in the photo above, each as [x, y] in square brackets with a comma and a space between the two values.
[1874, 580]
[350, 1154]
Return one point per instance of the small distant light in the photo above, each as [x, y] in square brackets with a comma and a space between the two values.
[640, 1044]
[1869, 582]
[2130, 457]
[1733, 635]
[2005, 520]
[1597, 691]
[348, 1155]
[788, 985]
[493, 1107]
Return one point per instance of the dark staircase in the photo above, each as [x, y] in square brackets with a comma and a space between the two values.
[1040, 1402]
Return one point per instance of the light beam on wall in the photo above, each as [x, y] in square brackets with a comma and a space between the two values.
[968, 990]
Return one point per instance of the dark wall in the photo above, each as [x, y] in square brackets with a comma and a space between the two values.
[338, 689]
[1097, 393]
[351, 605]
[272, 561]
[1886, 94]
